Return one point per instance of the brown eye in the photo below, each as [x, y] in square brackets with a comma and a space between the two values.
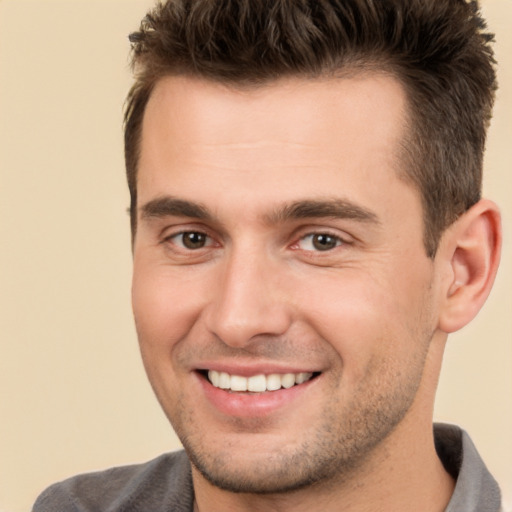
[319, 242]
[191, 240]
[324, 242]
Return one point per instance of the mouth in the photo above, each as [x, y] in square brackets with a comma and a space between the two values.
[260, 383]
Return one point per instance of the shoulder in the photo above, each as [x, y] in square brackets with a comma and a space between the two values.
[164, 483]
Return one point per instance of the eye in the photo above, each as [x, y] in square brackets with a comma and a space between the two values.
[319, 242]
[191, 240]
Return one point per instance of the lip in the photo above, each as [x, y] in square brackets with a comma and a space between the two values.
[251, 405]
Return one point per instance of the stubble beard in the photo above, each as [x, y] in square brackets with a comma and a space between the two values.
[348, 436]
[338, 449]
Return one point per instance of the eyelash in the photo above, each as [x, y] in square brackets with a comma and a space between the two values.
[169, 239]
[335, 239]
[210, 242]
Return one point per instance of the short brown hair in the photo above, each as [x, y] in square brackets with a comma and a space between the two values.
[437, 49]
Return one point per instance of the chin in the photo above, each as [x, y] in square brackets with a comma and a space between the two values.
[274, 474]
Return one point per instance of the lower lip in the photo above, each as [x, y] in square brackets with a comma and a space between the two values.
[251, 405]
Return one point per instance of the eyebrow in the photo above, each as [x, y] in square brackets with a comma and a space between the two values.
[328, 208]
[169, 206]
[336, 208]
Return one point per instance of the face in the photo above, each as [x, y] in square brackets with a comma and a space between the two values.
[281, 291]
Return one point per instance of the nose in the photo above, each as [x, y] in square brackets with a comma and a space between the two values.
[249, 302]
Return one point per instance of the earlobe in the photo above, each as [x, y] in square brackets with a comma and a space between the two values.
[471, 250]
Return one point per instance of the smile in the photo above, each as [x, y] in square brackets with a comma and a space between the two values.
[257, 383]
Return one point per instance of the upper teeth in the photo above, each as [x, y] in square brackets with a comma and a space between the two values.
[257, 383]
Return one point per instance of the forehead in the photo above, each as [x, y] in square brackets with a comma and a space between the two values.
[297, 108]
[274, 142]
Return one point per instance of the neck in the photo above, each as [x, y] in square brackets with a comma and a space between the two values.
[392, 480]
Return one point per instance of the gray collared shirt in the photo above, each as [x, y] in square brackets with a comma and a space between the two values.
[475, 489]
[165, 483]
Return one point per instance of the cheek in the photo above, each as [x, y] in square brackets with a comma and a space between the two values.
[364, 318]
[164, 307]
[342, 302]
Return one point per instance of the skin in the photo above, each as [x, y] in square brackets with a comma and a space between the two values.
[258, 173]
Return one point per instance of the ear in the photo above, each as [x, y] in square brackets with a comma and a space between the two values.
[470, 254]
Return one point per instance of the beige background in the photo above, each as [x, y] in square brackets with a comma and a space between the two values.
[73, 395]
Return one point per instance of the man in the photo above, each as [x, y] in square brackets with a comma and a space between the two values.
[307, 230]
